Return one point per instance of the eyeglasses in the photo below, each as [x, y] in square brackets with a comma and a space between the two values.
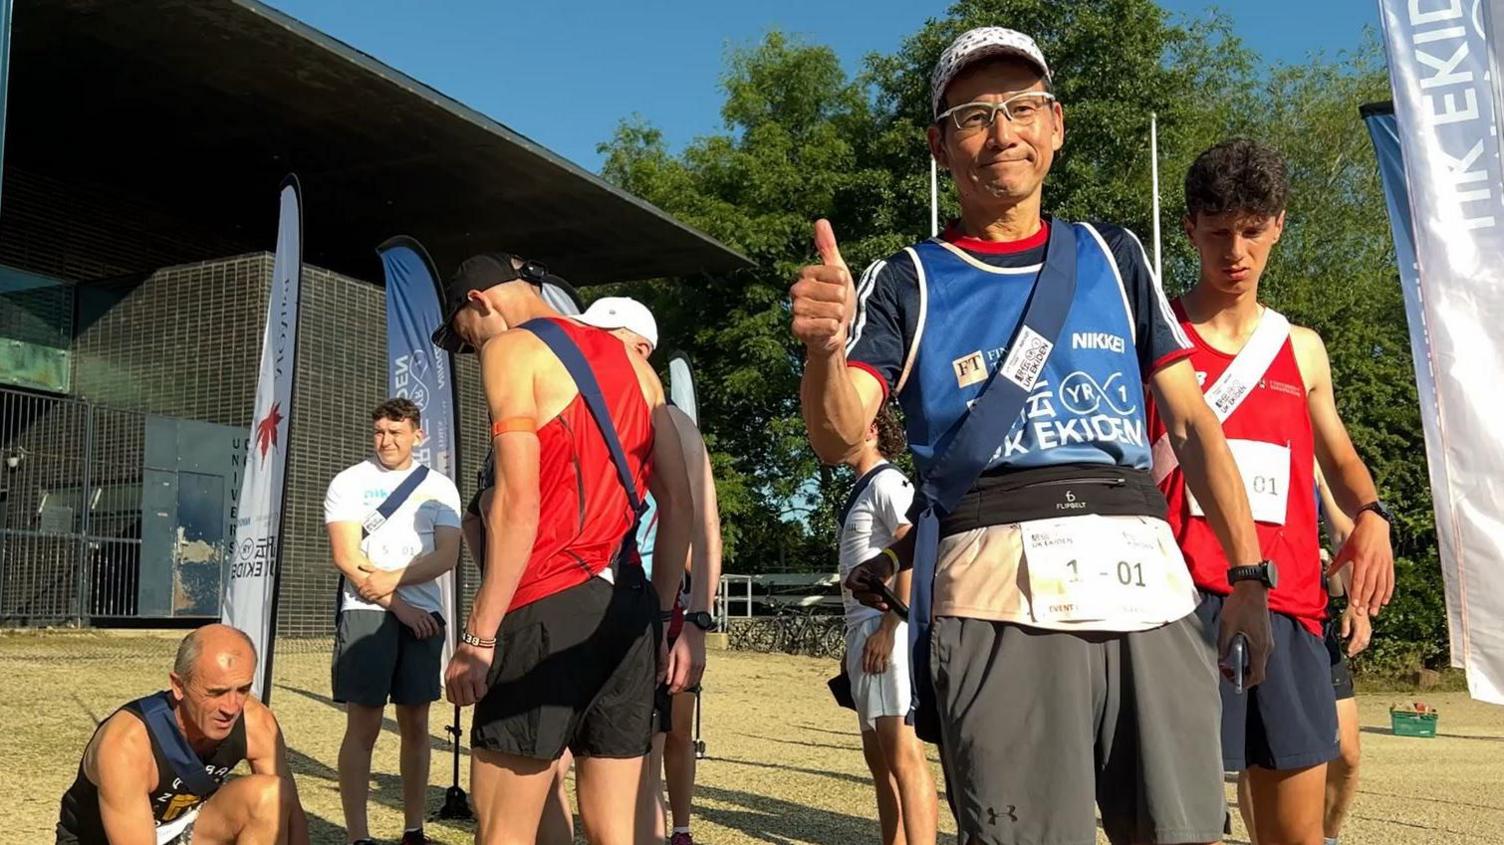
[1022, 110]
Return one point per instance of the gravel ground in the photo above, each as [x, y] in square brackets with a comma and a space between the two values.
[785, 764]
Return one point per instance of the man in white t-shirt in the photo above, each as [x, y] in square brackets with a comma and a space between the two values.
[389, 639]
[877, 642]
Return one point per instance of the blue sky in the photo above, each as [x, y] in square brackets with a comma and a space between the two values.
[566, 74]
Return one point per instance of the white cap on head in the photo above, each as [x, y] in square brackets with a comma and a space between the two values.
[622, 312]
[981, 43]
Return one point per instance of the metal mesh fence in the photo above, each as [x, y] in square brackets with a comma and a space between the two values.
[70, 526]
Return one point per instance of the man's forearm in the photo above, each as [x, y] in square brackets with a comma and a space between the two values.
[349, 565]
[833, 412]
[1352, 487]
[704, 570]
[1212, 475]
[705, 548]
[430, 565]
[507, 550]
[670, 550]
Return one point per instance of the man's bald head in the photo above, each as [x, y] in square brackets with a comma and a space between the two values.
[219, 644]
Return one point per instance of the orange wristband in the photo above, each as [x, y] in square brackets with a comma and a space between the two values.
[511, 424]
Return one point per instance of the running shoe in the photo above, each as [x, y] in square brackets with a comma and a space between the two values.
[681, 839]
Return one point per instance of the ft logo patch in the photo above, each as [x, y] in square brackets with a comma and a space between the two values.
[970, 369]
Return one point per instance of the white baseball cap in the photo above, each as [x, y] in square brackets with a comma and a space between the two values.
[981, 43]
[622, 312]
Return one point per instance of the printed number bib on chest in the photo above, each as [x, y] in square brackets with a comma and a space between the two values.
[1265, 468]
[1094, 568]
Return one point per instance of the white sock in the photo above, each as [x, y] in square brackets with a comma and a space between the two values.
[684, 829]
[1329, 840]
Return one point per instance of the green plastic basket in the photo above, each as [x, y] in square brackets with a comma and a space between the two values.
[1413, 724]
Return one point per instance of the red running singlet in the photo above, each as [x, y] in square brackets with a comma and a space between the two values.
[583, 514]
[1273, 412]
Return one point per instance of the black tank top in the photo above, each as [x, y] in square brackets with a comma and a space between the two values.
[79, 820]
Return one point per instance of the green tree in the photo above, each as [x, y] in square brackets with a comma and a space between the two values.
[786, 154]
[1334, 270]
[803, 140]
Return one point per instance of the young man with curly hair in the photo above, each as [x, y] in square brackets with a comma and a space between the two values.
[874, 517]
[1271, 385]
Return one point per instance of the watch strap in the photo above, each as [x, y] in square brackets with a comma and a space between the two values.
[1379, 508]
[1252, 572]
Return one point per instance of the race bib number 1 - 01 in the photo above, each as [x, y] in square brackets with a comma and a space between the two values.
[1265, 468]
[1104, 569]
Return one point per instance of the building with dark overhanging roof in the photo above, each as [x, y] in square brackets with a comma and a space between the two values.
[144, 146]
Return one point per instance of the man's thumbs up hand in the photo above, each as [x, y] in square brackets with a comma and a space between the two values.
[824, 296]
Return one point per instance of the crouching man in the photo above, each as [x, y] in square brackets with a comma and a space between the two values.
[156, 770]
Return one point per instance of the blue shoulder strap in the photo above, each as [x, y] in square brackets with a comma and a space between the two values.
[564, 348]
[989, 422]
[856, 490]
[394, 500]
[186, 764]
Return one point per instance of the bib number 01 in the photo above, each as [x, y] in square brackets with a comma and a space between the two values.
[1094, 568]
[1129, 574]
[1265, 468]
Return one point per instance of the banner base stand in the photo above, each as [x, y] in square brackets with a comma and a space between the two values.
[456, 805]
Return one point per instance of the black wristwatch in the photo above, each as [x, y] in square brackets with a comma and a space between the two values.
[1378, 507]
[1264, 572]
[701, 619]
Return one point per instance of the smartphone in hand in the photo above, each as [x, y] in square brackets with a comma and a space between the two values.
[1238, 655]
[892, 601]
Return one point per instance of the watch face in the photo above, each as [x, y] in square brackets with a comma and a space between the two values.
[1271, 574]
[700, 619]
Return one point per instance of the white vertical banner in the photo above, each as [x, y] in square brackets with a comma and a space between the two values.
[255, 571]
[1444, 104]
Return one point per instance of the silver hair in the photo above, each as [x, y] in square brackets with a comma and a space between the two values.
[192, 648]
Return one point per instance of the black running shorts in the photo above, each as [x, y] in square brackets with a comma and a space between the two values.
[1289, 721]
[575, 670]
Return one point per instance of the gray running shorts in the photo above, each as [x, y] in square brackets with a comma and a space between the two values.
[377, 658]
[1038, 726]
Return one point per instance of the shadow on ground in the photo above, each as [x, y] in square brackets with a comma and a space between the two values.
[438, 719]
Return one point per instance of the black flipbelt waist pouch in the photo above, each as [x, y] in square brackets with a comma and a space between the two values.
[1053, 492]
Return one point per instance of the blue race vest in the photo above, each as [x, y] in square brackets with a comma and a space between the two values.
[647, 534]
[1088, 405]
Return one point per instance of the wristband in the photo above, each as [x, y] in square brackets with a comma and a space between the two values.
[511, 424]
[665, 616]
[893, 556]
[479, 642]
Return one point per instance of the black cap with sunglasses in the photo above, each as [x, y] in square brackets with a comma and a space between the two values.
[483, 272]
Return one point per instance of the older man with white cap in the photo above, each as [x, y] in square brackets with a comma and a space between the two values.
[1056, 656]
[689, 620]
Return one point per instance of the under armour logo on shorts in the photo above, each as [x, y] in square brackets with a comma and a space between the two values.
[1010, 813]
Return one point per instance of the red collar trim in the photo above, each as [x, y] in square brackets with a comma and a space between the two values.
[953, 236]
